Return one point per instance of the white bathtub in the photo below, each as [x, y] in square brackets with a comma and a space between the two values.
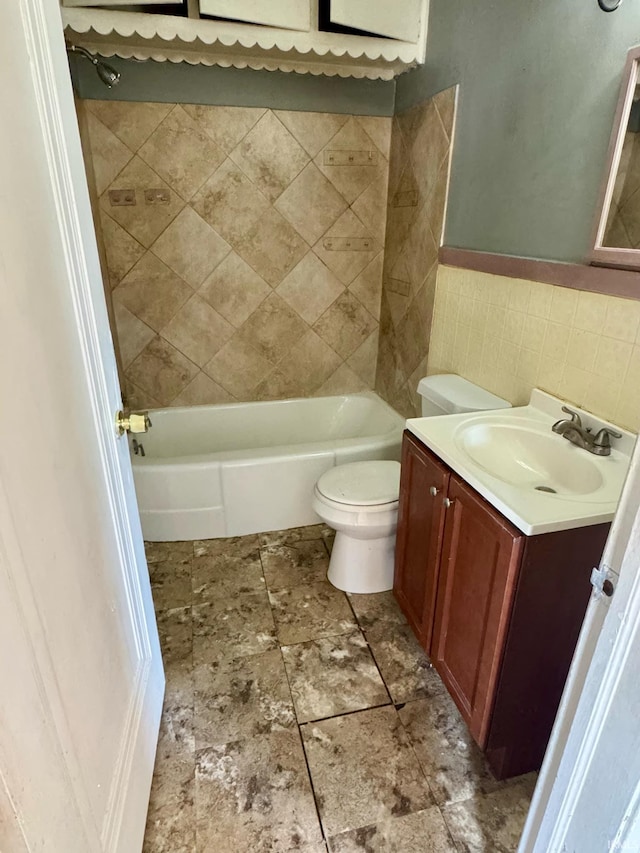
[230, 470]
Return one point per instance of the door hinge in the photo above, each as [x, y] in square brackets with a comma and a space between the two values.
[602, 581]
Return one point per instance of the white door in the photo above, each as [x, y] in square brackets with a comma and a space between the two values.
[80, 669]
[588, 796]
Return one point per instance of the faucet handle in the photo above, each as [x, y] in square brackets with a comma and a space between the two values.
[603, 436]
[561, 425]
[575, 417]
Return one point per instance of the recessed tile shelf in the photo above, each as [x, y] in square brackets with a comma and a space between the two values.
[146, 35]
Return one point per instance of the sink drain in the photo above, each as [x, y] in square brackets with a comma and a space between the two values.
[546, 489]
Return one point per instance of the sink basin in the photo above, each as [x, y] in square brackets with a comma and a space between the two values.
[534, 477]
[529, 458]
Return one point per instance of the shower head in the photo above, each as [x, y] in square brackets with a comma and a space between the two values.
[109, 76]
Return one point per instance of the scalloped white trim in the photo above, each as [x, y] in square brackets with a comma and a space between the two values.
[166, 38]
[256, 63]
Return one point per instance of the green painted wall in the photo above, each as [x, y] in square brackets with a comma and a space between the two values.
[539, 82]
[198, 84]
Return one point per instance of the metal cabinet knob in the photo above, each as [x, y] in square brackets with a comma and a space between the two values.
[447, 502]
[433, 491]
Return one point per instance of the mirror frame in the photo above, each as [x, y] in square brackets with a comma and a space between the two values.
[607, 255]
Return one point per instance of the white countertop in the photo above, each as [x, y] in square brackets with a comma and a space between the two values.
[531, 511]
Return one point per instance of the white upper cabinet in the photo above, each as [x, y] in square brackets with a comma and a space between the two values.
[396, 19]
[287, 14]
[124, 3]
[282, 35]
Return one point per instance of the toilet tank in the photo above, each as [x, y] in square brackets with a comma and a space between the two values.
[450, 394]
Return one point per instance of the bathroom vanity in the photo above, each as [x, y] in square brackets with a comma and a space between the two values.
[498, 605]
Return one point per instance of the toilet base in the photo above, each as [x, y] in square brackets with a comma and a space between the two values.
[362, 565]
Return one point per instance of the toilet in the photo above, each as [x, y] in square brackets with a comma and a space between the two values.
[359, 500]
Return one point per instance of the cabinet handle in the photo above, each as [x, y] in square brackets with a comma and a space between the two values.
[447, 502]
[433, 491]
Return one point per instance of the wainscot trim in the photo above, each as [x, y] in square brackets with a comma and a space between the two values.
[613, 282]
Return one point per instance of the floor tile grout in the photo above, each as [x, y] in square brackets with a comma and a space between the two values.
[379, 613]
[304, 752]
[373, 657]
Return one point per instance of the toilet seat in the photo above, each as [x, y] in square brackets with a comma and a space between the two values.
[357, 514]
[370, 484]
[360, 501]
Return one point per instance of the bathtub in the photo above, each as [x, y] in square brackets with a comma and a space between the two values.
[230, 470]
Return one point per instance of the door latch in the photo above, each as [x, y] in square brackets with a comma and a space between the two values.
[133, 422]
[602, 582]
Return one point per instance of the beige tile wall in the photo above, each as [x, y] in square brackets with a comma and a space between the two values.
[418, 180]
[510, 336]
[226, 291]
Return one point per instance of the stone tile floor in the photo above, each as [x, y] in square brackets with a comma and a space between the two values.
[300, 718]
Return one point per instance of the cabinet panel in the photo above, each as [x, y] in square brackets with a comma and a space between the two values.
[288, 14]
[419, 539]
[123, 3]
[478, 570]
[548, 608]
[397, 20]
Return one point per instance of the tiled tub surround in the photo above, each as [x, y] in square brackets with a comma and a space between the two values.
[510, 336]
[421, 141]
[297, 717]
[225, 290]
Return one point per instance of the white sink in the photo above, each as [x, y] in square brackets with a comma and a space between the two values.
[527, 457]
[533, 476]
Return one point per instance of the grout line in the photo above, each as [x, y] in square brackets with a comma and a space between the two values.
[347, 713]
[448, 828]
[304, 751]
[373, 657]
[313, 790]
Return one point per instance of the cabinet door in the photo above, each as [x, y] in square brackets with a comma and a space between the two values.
[397, 20]
[480, 561]
[419, 540]
[286, 14]
[123, 3]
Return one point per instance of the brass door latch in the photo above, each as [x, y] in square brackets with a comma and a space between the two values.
[133, 422]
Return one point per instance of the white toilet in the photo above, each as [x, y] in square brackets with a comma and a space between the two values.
[359, 500]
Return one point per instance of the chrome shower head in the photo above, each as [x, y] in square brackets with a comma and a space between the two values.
[109, 76]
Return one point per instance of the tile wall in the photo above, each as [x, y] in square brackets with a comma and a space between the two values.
[421, 142]
[228, 285]
[510, 336]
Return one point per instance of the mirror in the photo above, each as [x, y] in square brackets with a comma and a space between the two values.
[617, 229]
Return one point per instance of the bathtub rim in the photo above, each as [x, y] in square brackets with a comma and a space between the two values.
[273, 451]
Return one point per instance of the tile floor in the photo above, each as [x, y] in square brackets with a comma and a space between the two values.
[299, 718]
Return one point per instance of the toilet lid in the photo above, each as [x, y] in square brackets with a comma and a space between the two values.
[362, 483]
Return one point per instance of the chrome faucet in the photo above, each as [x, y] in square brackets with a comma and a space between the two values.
[572, 429]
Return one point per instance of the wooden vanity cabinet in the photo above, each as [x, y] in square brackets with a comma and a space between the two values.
[498, 612]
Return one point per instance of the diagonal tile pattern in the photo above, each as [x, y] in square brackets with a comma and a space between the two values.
[181, 153]
[271, 746]
[420, 148]
[247, 199]
[270, 156]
